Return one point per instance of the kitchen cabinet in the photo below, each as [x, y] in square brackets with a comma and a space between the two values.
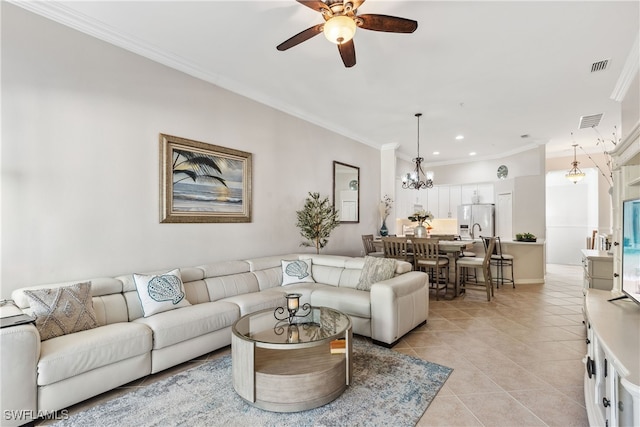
[432, 200]
[444, 210]
[477, 193]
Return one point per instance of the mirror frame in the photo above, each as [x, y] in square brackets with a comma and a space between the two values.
[337, 165]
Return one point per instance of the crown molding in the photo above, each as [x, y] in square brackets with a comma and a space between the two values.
[69, 17]
[629, 71]
[390, 146]
[627, 148]
[474, 158]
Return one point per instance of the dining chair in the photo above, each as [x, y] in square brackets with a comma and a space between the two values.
[462, 280]
[501, 261]
[369, 247]
[427, 258]
[397, 247]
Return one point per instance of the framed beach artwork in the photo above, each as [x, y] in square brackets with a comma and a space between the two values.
[202, 182]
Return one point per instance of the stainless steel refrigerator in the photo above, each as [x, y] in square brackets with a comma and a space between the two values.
[478, 220]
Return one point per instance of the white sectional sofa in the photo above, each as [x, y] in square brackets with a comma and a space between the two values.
[38, 377]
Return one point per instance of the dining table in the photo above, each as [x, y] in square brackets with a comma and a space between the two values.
[452, 248]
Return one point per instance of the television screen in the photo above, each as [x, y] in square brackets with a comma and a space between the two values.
[631, 249]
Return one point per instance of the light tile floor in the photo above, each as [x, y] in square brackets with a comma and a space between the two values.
[517, 360]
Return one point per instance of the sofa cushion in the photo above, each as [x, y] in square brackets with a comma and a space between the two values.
[298, 271]
[349, 301]
[160, 292]
[70, 355]
[63, 310]
[375, 270]
[232, 285]
[174, 326]
[256, 301]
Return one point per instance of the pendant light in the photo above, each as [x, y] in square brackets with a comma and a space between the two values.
[575, 174]
[417, 179]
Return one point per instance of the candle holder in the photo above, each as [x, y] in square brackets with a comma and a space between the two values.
[293, 306]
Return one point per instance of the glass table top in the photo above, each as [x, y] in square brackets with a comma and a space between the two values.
[320, 323]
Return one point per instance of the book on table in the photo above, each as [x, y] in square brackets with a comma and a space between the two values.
[338, 346]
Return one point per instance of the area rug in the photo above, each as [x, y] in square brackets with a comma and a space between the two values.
[388, 389]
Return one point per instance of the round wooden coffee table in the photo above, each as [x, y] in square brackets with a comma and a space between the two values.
[284, 367]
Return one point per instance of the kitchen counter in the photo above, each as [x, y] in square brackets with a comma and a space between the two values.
[529, 259]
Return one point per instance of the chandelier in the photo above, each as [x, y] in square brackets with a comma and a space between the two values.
[417, 179]
[575, 174]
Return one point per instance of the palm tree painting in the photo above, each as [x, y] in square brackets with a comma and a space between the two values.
[204, 182]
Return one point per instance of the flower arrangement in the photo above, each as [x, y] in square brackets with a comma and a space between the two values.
[421, 216]
[385, 207]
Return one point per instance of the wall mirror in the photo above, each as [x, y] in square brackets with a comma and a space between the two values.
[346, 191]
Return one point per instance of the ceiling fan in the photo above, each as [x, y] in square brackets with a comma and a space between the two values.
[341, 21]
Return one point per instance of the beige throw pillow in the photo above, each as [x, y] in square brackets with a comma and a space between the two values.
[63, 310]
[375, 270]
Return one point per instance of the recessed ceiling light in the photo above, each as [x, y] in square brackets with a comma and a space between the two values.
[435, 153]
[459, 137]
[473, 153]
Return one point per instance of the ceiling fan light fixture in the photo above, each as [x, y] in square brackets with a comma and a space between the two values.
[339, 29]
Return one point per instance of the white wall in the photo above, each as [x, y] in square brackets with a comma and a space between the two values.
[80, 168]
[572, 214]
[603, 206]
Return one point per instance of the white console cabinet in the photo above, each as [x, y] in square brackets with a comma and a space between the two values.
[612, 362]
[598, 269]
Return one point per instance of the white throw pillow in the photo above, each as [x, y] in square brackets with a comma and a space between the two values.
[298, 271]
[161, 292]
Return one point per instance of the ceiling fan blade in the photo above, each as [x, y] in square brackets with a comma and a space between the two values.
[316, 5]
[300, 37]
[357, 3]
[389, 24]
[348, 53]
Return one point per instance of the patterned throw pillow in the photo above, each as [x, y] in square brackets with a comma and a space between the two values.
[63, 310]
[161, 292]
[374, 270]
[298, 271]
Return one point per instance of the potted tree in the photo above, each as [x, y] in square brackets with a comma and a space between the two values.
[316, 221]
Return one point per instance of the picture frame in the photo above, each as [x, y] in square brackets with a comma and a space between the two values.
[203, 183]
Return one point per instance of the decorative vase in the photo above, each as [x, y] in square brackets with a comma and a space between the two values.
[383, 230]
[420, 231]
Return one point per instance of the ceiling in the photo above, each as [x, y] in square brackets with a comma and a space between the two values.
[508, 76]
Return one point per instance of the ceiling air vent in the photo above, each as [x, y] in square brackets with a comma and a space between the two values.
[590, 121]
[599, 66]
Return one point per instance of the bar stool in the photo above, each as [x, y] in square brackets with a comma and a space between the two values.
[474, 263]
[427, 258]
[470, 272]
[501, 261]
